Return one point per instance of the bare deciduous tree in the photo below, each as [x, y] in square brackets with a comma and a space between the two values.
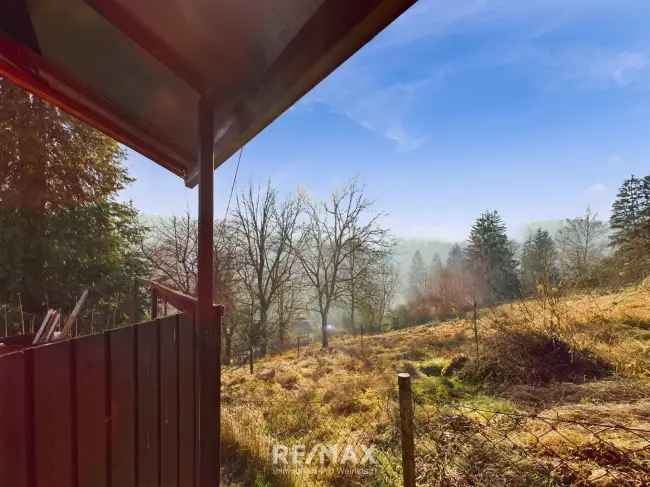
[265, 233]
[378, 289]
[172, 252]
[326, 244]
[581, 242]
[289, 307]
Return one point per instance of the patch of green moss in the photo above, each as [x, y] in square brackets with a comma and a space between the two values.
[436, 389]
[433, 367]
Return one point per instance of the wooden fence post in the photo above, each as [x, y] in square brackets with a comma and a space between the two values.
[406, 423]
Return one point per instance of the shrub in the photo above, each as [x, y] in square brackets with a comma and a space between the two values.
[532, 357]
[287, 379]
[434, 367]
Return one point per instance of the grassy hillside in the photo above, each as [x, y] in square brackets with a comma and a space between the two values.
[581, 357]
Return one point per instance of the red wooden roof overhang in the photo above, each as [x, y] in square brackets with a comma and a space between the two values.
[136, 69]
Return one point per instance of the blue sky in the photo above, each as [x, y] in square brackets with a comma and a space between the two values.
[534, 108]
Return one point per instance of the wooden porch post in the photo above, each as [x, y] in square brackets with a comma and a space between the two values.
[206, 327]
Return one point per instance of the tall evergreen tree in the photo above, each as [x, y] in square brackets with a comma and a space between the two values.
[491, 259]
[61, 230]
[630, 224]
[630, 211]
[455, 259]
[417, 276]
[538, 261]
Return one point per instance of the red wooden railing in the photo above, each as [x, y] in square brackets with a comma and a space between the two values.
[117, 409]
[179, 300]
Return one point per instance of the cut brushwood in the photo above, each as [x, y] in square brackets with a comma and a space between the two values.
[46, 330]
[67, 328]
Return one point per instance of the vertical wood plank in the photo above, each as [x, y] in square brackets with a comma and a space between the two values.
[186, 401]
[148, 411]
[14, 423]
[90, 391]
[122, 407]
[53, 426]
[169, 401]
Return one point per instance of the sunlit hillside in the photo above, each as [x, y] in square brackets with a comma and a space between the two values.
[579, 357]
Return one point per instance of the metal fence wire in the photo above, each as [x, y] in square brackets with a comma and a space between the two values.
[458, 444]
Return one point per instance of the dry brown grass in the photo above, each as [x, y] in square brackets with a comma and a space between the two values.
[348, 394]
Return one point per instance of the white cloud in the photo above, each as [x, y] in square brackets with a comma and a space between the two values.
[606, 67]
[624, 66]
[366, 89]
[428, 18]
[405, 141]
[385, 109]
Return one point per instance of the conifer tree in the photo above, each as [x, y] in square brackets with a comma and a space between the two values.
[538, 261]
[417, 276]
[491, 260]
[630, 224]
[630, 211]
[455, 259]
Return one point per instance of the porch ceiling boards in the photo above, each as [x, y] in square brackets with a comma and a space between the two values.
[136, 69]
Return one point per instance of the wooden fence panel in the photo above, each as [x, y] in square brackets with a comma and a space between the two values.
[148, 411]
[186, 401]
[53, 415]
[14, 424]
[116, 409]
[168, 333]
[90, 391]
[122, 407]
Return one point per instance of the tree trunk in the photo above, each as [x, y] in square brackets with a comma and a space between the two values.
[324, 330]
[262, 333]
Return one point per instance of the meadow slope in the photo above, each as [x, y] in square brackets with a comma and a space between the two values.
[582, 357]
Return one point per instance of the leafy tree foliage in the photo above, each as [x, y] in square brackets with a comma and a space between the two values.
[61, 230]
[491, 260]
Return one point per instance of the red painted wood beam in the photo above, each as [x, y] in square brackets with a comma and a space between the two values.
[208, 335]
[148, 41]
[32, 72]
[179, 300]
